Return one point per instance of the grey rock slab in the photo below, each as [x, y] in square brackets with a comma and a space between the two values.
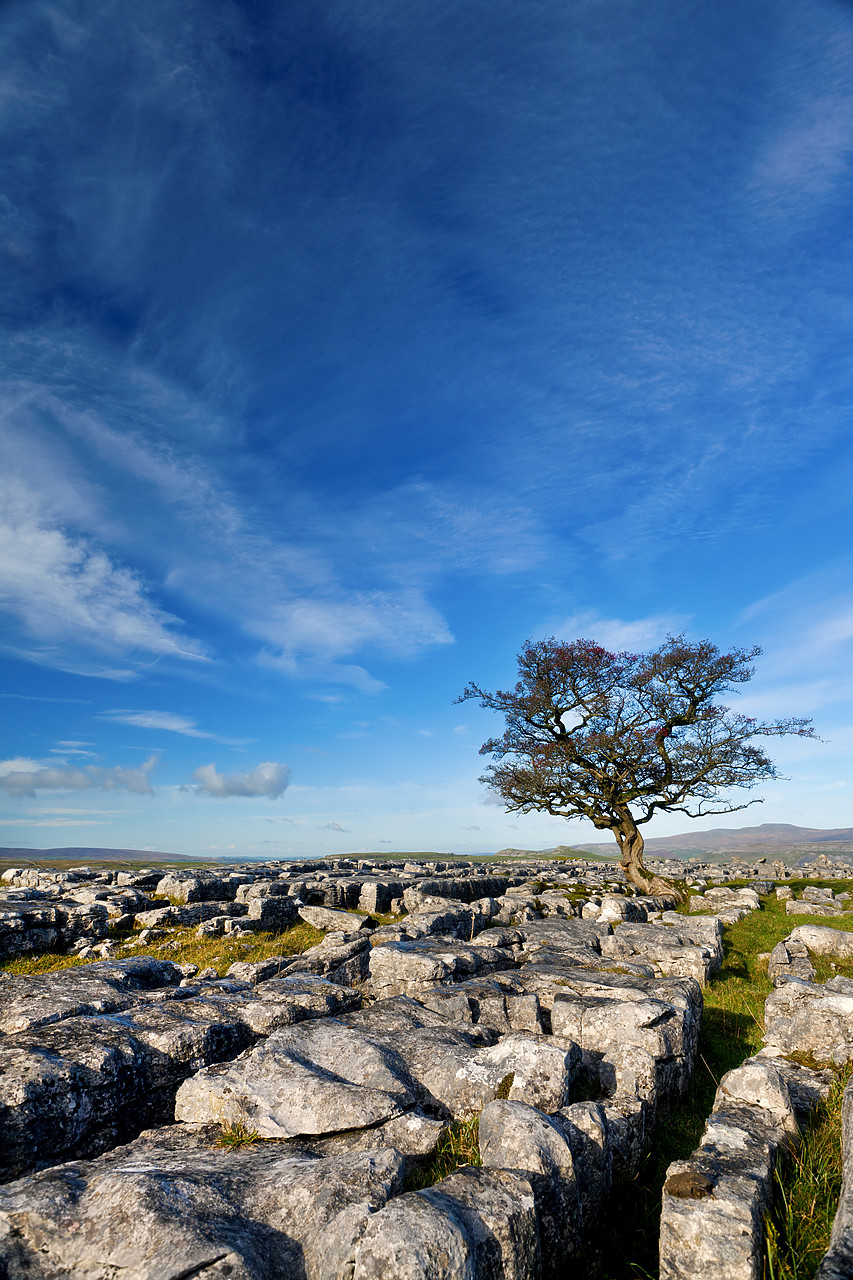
[456, 921]
[79, 1086]
[607, 1022]
[823, 941]
[376, 896]
[478, 1224]
[413, 1135]
[401, 1014]
[329, 918]
[499, 1002]
[260, 970]
[585, 1127]
[456, 1074]
[811, 1018]
[272, 913]
[790, 959]
[758, 1083]
[715, 1203]
[513, 1135]
[616, 907]
[314, 1078]
[168, 1207]
[628, 1125]
[806, 908]
[465, 888]
[680, 931]
[280, 1002]
[33, 1001]
[405, 968]
[342, 957]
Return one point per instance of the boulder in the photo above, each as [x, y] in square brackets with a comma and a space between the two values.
[169, 1206]
[513, 1135]
[314, 1078]
[810, 1018]
[478, 1224]
[340, 921]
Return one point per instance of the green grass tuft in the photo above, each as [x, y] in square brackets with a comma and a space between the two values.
[457, 1146]
[807, 1189]
[237, 1134]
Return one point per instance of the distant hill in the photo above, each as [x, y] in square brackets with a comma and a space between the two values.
[762, 839]
[92, 855]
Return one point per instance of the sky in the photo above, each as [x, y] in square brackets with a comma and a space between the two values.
[348, 344]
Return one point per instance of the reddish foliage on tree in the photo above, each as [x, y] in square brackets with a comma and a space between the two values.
[619, 737]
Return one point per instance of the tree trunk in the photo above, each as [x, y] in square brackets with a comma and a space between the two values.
[631, 846]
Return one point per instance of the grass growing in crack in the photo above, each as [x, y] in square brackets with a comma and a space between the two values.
[807, 1190]
[457, 1146]
[237, 1134]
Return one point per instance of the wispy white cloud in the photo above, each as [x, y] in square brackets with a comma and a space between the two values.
[615, 633]
[80, 749]
[168, 720]
[334, 826]
[53, 822]
[435, 527]
[16, 780]
[268, 779]
[65, 590]
[28, 697]
[399, 622]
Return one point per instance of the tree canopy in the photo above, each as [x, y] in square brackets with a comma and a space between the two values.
[619, 737]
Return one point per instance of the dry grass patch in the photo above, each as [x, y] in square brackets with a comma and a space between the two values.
[184, 947]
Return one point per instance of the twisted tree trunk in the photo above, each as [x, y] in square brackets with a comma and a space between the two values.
[631, 845]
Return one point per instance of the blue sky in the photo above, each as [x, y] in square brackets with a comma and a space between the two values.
[345, 346]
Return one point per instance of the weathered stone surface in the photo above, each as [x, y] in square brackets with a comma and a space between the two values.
[340, 921]
[811, 1018]
[273, 914]
[103, 987]
[499, 1001]
[806, 908]
[341, 957]
[478, 1224]
[314, 1078]
[281, 1002]
[406, 968]
[824, 941]
[790, 959]
[168, 1207]
[520, 1137]
[719, 1231]
[84, 1084]
[714, 1204]
[606, 1022]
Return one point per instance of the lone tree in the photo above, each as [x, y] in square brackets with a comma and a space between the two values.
[619, 737]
